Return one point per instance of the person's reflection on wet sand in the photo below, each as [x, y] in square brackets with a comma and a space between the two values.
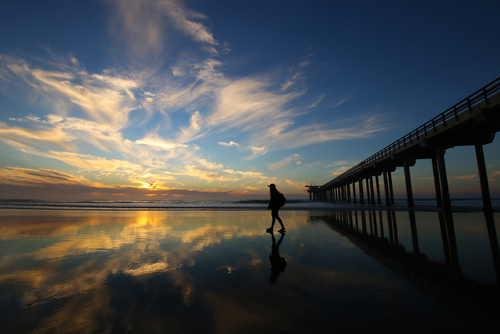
[278, 263]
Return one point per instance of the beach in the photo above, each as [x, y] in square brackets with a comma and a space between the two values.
[218, 271]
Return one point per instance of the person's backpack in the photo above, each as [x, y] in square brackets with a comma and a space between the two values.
[281, 199]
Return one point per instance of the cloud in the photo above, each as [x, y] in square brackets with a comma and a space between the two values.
[292, 81]
[209, 165]
[315, 103]
[91, 163]
[466, 177]
[193, 131]
[231, 143]
[339, 171]
[104, 98]
[338, 163]
[34, 177]
[181, 16]
[256, 152]
[313, 164]
[285, 162]
[297, 185]
[278, 136]
[208, 176]
[248, 104]
[23, 139]
[144, 25]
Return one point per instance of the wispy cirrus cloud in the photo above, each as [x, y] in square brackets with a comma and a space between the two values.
[231, 143]
[280, 136]
[466, 177]
[106, 99]
[22, 138]
[249, 105]
[91, 163]
[27, 176]
[296, 185]
[285, 162]
[338, 171]
[338, 163]
[256, 152]
[146, 25]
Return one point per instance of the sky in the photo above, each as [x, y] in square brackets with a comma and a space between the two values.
[199, 99]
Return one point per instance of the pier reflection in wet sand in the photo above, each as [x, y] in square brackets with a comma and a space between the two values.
[220, 272]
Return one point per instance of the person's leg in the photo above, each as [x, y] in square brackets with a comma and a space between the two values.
[276, 216]
[273, 221]
[281, 223]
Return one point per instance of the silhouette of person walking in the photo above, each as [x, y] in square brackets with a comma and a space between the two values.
[277, 201]
[278, 263]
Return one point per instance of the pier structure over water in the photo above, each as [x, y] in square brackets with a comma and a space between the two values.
[471, 122]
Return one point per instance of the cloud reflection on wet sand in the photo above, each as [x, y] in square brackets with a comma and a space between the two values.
[186, 272]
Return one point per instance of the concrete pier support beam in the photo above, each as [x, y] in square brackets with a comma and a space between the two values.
[386, 189]
[348, 193]
[483, 178]
[371, 190]
[391, 189]
[361, 197]
[368, 200]
[409, 193]
[354, 192]
[444, 179]
[437, 187]
[378, 189]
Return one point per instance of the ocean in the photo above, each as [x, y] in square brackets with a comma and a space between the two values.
[458, 205]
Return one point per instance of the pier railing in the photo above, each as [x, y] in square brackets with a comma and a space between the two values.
[455, 111]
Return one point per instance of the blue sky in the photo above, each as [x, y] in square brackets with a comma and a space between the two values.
[169, 99]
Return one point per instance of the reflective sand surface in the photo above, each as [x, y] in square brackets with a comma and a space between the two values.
[220, 272]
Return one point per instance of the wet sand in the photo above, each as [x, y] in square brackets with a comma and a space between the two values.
[220, 272]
